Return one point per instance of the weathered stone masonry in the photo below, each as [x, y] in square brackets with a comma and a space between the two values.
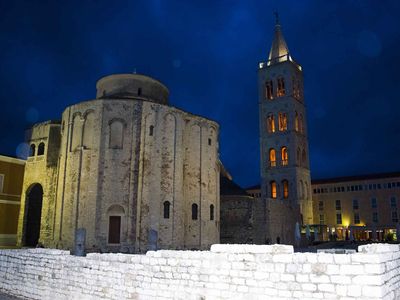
[225, 272]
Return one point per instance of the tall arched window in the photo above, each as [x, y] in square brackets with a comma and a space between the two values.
[32, 150]
[284, 156]
[301, 124]
[270, 123]
[272, 157]
[296, 121]
[281, 87]
[40, 150]
[285, 185]
[296, 88]
[304, 158]
[282, 121]
[167, 205]
[116, 134]
[211, 212]
[273, 189]
[194, 211]
[88, 130]
[269, 91]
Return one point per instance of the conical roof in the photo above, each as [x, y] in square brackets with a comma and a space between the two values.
[279, 50]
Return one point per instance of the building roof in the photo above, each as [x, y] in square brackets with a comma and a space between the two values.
[279, 47]
[11, 159]
[229, 187]
[356, 178]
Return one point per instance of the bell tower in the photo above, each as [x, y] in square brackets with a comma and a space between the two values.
[285, 169]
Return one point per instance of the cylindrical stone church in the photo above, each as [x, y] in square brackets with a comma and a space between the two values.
[133, 171]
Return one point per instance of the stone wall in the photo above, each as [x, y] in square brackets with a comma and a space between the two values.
[225, 272]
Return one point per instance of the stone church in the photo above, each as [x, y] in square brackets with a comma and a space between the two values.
[134, 172]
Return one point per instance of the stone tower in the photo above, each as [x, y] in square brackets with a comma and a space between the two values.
[285, 170]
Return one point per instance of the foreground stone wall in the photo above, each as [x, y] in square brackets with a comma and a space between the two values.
[225, 272]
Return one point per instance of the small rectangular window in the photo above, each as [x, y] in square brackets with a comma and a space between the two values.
[395, 218]
[356, 218]
[375, 217]
[338, 205]
[355, 203]
[373, 203]
[209, 142]
[393, 202]
[321, 205]
[339, 219]
[321, 219]
[315, 191]
[114, 230]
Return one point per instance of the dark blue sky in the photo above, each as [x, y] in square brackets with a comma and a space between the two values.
[207, 52]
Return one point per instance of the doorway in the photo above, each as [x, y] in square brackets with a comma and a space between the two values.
[34, 201]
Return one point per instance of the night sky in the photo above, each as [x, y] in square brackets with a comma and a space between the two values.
[207, 53]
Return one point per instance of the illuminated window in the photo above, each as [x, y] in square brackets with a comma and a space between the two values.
[296, 121]
[285, 185]
[296, 88]
[320, 205]
[282, 121]
[211, 212]
[393, 202]
[272, 157]
[269, 90]
[301, 125]
[273, 189]
[355, 203]
[373, 203]
[270, 123]
[32, 150]
[356, 218]
[338, 205]
[375, 217]
[1, 182]
[395, 218]
[166, 209]
[321, 219]
[281, 87]
[339, 219]
[194, 211]
[284, 156]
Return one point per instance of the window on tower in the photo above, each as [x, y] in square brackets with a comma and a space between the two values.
[281, 87]
[270, 123]
[272, 157]
[284, 156]
[296, 121]
[282, 121]
[273, 189]
[296, 88]
[285, 185]
[269, 90]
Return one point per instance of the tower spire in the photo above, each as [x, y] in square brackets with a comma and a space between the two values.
[279, 50]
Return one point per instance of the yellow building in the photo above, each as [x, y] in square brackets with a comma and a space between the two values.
[11, 178]
[358, 207]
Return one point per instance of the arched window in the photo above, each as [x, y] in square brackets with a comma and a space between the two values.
[166, 209]
[285, 185]
[211, 212]
[296, 121]
[296, 88]
[282, 121]
[301, 124]
[272, 157]
[40, 150]
[281, 87]
[273, 189]
[116, 134]
[194, 211]
[284, 156]
[269, 91]
[270, 123]
[151, 130]
[304, 158]
[32, 150]
[88, 130]
[298, 159]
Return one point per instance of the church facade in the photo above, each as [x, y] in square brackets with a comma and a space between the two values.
[134, 172]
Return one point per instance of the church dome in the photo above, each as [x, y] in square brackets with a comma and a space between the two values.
[132, 86]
